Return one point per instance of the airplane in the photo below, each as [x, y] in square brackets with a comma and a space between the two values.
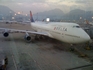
[70, 33]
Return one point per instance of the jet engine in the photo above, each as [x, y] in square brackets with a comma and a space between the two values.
[27, 37]
[5, 34]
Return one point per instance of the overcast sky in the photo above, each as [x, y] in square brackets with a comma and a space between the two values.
[44, 5]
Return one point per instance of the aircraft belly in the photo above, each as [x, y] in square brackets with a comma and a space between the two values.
[72, 40]
[63, 38]
[68, 39]
[57, 36]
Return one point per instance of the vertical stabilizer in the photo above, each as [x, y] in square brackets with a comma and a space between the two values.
[31, 17]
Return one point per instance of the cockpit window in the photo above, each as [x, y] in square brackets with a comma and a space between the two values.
[76, 26]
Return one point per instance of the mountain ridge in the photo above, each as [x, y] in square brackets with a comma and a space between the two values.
[54, 14]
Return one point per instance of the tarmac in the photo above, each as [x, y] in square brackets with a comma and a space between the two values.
[41, 54]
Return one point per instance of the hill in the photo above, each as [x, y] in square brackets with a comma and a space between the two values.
[77, 13]
[5, 12]
[52, 14]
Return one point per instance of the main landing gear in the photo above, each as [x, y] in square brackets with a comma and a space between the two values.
[89, 45]
[74, 49]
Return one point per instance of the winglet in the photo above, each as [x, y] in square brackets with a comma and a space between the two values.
[31, 17]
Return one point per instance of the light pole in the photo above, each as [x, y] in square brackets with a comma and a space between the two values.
[19, 16]
[92, 19]
[10, 15]
[15, 16]
[80, 19]
[26, 17]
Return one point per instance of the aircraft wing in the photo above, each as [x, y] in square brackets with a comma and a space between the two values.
[2, 30]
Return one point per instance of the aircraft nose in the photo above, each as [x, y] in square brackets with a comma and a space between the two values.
[86, 37]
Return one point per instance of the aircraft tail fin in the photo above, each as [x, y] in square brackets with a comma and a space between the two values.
[31, 17]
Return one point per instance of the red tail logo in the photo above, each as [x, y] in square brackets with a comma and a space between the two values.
[31, 17]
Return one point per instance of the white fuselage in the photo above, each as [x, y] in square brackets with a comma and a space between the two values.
[66, 32]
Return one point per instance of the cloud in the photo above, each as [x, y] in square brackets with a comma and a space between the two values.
[43, 5]
[80, 1]
[20, 1]
[52, 1]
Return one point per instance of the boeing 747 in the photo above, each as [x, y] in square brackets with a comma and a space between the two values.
[66, 32]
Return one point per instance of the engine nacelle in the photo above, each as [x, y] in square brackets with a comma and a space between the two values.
[5, 34]
[27, 37]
